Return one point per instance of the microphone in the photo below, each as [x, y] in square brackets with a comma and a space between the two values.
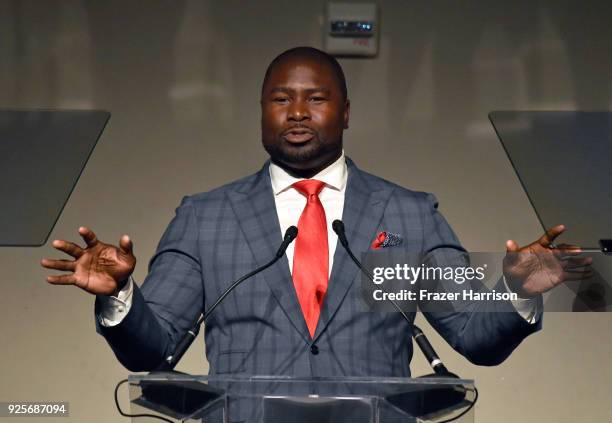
[418, 335]
[290, 235]
[171, 361]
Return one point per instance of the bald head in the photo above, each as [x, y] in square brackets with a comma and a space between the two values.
[309, 54]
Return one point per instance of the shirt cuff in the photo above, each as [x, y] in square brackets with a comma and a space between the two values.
[527, 308]
[114, 309]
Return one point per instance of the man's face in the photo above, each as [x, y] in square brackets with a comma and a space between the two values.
[303, 115]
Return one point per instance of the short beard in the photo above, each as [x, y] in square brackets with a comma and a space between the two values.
[295, 155]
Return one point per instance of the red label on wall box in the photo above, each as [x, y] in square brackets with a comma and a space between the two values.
[365, 42]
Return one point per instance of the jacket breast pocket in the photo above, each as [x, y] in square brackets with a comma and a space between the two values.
[231, 361]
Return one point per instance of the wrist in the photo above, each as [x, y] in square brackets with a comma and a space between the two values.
[517, 287]
[120, 286]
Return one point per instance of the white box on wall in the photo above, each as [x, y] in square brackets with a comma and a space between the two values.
[351, 29]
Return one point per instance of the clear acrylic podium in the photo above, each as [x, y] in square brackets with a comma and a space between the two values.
[228, 399]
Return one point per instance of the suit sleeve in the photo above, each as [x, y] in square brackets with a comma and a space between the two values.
[485, 332]
[169, 301]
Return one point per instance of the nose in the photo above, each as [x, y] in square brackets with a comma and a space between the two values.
[298, 111]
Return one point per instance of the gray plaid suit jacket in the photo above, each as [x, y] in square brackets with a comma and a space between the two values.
[220, 235]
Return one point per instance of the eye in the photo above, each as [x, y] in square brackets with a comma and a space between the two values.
[317, 99]
[280, 100]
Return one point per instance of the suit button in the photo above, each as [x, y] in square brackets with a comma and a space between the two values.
[314, 349]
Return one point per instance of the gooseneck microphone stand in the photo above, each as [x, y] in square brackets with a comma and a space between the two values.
[171, 361]
[417, 334]
[183, 345]
[451, 395]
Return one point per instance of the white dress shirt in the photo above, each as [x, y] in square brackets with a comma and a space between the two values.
[289, 205]
[290, 202]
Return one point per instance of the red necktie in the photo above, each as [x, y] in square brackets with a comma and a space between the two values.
[310, 258]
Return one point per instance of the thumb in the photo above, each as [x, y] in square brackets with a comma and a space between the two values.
[511, 246]
[125, 244]
[512, 250]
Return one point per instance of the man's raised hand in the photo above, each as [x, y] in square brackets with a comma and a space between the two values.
[540, 266]
[99, 268]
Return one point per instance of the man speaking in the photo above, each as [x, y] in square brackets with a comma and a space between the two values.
[303, 315]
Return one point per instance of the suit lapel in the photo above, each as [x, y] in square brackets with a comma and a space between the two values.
[364, 204]
[255, 209]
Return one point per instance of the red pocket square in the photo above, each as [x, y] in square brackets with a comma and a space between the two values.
[380, 239]
[386, 239]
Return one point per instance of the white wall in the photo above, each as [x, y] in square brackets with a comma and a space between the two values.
[182, 79]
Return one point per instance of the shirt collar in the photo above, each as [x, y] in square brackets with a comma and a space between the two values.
[334, 176]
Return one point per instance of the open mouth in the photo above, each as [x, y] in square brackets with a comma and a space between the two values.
[298, 135]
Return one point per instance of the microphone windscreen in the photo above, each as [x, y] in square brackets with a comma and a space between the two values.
[291, 233]
[338, 226]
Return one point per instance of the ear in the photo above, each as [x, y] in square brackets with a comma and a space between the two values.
[347, 112]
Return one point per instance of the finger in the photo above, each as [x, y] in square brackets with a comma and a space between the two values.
[575, 275]
[125, 244]
[66, 265]
[574, 263]
[511, 246]
[68, 247]
[566, 250]
[89, 236]
[512, 249]
[62, 279]
[550, 235]
[568, 247]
